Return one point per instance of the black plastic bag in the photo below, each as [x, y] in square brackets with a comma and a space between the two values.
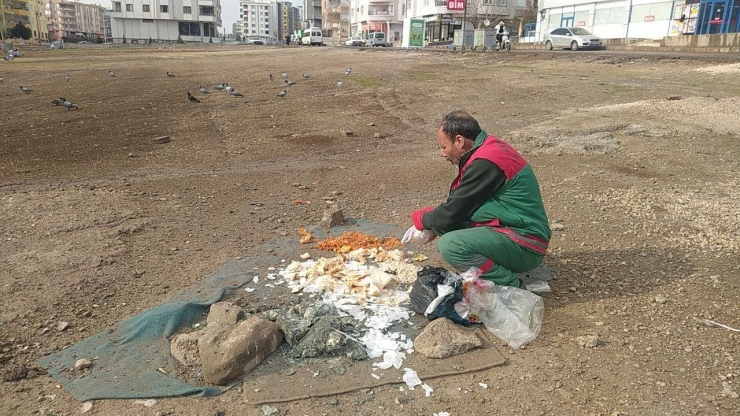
[424, 291]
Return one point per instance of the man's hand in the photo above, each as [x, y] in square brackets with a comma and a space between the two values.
[424, 236]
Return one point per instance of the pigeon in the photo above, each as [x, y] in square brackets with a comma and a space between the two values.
[236, 93]
[203, 90]
[26, 89]
[282, 94]
[58, 101]
[272, 78]
[285, 75]
[111, 74]
[70, 106]
[66, 78]
[306, 76]
[340, 84]
[229, 88]
[192, 99]
[289, 83]
[170, 74]
[220, 86]
[348, 71]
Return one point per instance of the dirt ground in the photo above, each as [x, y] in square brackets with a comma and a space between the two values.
[98, 222]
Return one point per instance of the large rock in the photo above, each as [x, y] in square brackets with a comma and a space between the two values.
[224, 313]
[443, 338]
[230, 352]
[184, 348]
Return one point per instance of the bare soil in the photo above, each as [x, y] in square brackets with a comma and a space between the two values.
[98, 222]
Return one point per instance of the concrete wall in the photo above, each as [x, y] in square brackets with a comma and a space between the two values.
[701, 41]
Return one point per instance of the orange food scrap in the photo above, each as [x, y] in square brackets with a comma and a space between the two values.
[301, 202]
[350, 241]
[306, 237]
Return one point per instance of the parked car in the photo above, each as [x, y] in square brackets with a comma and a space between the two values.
[573, 38]
[57, 44]
[376, 39]
[84, 42]
[355, 41]
[255, 41]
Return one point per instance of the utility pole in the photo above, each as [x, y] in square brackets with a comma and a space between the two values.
[4, 32]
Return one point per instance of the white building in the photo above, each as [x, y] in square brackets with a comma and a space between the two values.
[609, 19]
[270, 20]
[165, 20]
[368, 16]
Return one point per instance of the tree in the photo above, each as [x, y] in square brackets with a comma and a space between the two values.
[480, 10]
[20, 31]
[210, 40]
[124, 39]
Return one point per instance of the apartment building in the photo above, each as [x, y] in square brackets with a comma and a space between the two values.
[311, 13]
[378, 16]
[29, 13]
[335, 20]
[165, 20]
[237, 28]
[73, 19]
[106, 24]
[270, 20]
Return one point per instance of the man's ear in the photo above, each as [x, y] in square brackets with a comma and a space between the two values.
[459, 141]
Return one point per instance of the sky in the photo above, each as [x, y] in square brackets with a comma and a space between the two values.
[229, 11]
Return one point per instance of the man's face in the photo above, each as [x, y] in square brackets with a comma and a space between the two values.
[452, 148]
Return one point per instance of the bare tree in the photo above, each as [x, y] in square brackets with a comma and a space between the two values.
[480, 10]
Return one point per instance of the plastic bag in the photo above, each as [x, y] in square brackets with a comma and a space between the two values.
[512, 314]
[435, 293]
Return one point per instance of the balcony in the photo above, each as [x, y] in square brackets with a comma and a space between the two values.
[18, 12]
[205, 3]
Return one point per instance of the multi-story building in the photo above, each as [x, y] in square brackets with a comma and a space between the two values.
[378, 16]
[311, 13]
[272, 21]
[165, 20]
[335, 19]
[30, 13]
[72, 19]
[106, 21]
[237, 28]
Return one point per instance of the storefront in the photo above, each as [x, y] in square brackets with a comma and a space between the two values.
[684, 18]
[440, 27]
[718, 16]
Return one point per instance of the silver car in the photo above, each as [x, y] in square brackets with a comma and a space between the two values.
[572, 38]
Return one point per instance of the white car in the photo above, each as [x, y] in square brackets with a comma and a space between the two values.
[255, 41]
[572, 38]
[355, 41]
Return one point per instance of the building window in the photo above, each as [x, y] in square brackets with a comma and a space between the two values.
[129, 7]
[147, 20]
[189, 28]
[117, 6]
[206, 10]
[164, 9]
[145, 8]
[187, 10]
[500, 3]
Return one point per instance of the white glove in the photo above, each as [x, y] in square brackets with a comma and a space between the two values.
[425, 236]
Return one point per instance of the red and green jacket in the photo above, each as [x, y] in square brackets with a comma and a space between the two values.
[495, 187]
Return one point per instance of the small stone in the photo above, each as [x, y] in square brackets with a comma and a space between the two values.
[573, 289]
[131, 154]
[688, 349]
[86, 407]
[589, 341]
[62, 326]
[371, 124]
[674, 98]
[268, 410]
[347, 133]
[289, 372]
[161, 139]
[82, 364]
[556, 226]
[376, 135]
[442, 338]
[305, 256]
[332, 217]
[224, 313]
[333, 401]
[660, 299]
[14, 372]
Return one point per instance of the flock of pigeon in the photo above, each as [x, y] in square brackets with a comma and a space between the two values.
[224, 86]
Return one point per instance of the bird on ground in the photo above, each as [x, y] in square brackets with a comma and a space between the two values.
[285, 75]
[236, 93]
[69, 105]
[306, 76]
[58, 101]
[66, 78]
[348, 71]
[203, 90]
[340, 84]
[272, 78]
[192, 99]
[220, 86]
[170, 74]
[282, 94]
[229, 88]
[26, 89]
[289, 83]
[111, 74]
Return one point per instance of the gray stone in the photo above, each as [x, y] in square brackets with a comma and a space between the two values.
[589, 341]
[82, 364]
[556, 226]
[323, 339]
[62, 326]
[230, 352]
[674, 98]
[161, 139]
[184, 348]
[443, 338]
[332, 217]
[224, 313]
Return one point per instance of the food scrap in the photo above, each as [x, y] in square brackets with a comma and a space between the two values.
[354, 240]
[301, 202]
[306, 237]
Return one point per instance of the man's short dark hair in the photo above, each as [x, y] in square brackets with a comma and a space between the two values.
[462, 123]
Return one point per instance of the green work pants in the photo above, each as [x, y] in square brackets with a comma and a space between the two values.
[482, 247]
